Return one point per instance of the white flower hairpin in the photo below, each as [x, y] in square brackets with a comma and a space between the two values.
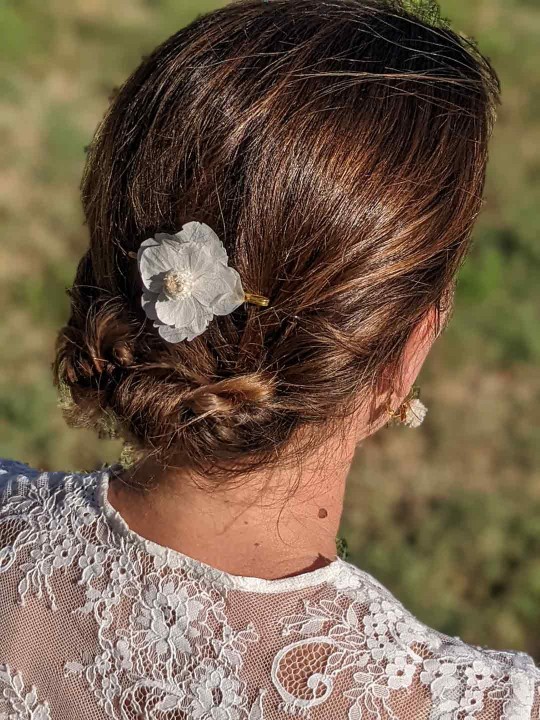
[188, 281]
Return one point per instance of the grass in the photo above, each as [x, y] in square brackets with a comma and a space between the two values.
[447, 516]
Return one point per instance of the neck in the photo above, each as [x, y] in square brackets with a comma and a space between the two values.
[276, 524]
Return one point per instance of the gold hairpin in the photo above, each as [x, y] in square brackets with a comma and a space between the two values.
[259, 300]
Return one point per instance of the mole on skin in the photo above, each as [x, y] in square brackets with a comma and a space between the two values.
[323, 512]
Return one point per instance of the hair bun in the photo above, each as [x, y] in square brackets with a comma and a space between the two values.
[123, 353]
[226, 396]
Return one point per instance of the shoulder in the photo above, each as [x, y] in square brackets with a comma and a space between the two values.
[10, 472]
[17, 477]
[37, 498]
[18, 480]
[460, 679]
[47, 519]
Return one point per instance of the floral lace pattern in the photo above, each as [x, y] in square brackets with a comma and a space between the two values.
[385, 650]
[169, 637]
[16, 701]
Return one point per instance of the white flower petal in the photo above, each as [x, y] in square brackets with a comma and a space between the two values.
[197, 259]
[166, 237]
[202, 262]
[221, 281]
[198, 233]
[148, 301]
[208, 288]
[233, 297]
[150, 242]
[202, 319]
[156, 260]
[172, 334]
[179, 312]
[177, 334]
[203, 235]
[219, 253]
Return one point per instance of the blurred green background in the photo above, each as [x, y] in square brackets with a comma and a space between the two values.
[448, 516]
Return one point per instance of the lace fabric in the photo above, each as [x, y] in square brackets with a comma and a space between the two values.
[97, 622]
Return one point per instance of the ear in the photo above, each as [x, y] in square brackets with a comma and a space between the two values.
[396, 383]
[415, 353]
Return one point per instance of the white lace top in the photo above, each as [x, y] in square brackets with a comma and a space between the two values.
[96, 622]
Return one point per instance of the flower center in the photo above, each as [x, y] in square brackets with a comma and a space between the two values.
[178, 283]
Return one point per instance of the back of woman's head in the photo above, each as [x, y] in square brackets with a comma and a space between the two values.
[338, 149]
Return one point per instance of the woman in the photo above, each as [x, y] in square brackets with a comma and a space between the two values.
[278, 201]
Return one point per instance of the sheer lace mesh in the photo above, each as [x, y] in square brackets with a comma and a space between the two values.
[97, 622]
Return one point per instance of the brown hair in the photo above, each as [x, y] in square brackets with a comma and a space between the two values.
[339, 151]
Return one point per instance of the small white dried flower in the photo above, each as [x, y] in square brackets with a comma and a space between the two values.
[415, 413]
[187, 281]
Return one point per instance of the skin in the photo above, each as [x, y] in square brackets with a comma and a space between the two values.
[257, 527]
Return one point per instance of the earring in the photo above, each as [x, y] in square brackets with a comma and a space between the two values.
[411, 412]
